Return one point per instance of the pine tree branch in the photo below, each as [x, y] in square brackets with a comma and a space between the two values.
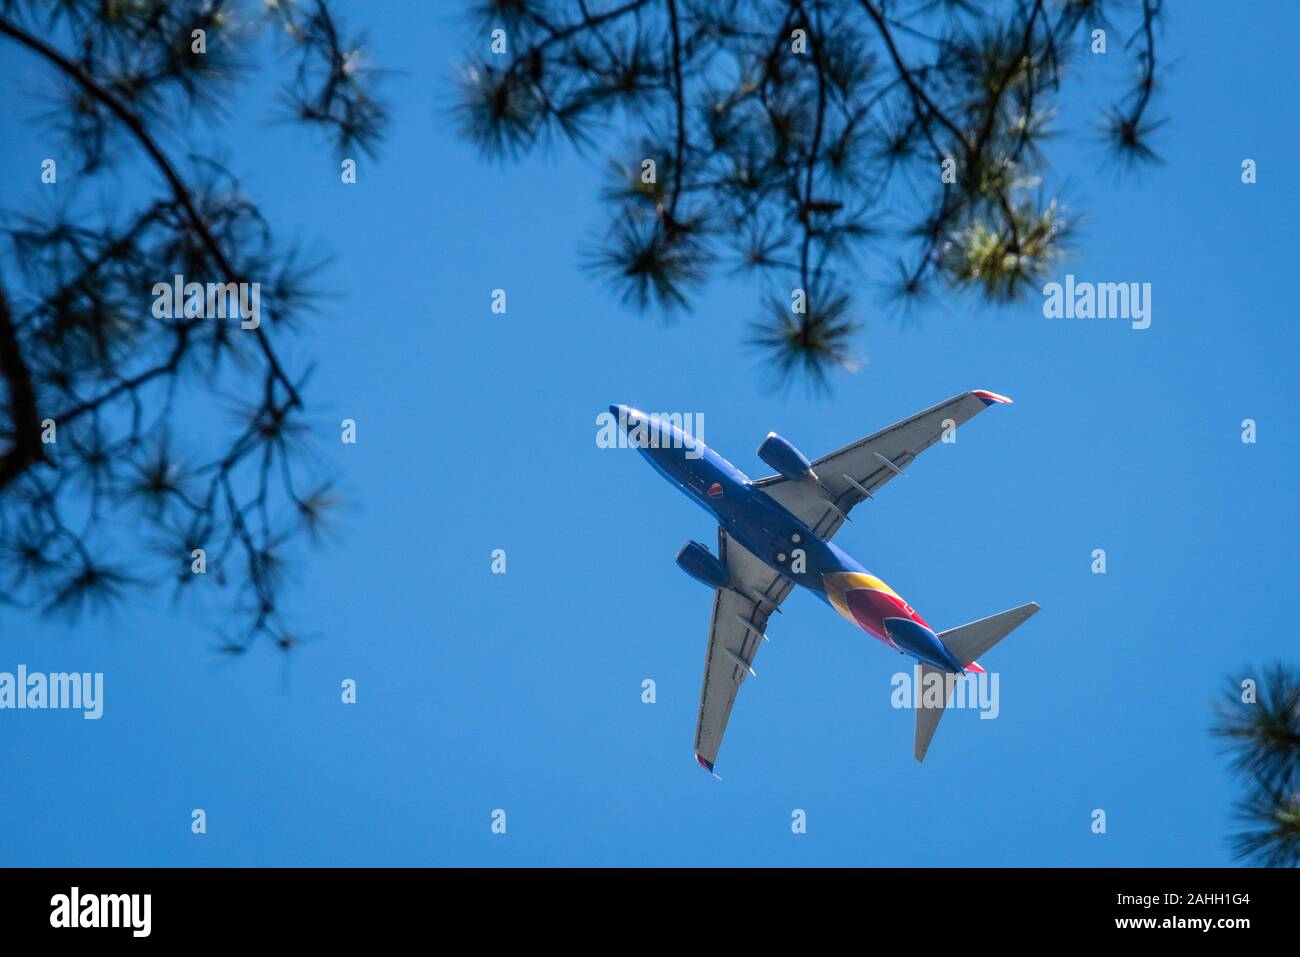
[925, 107]
[27, 449]
[178, 187]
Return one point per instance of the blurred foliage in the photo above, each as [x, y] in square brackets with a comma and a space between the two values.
[790, 135]
[129, 489]
[1263, 738]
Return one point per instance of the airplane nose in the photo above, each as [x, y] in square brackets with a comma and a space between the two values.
[626, 416]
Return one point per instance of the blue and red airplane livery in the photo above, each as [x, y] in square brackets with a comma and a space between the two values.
[775, 533]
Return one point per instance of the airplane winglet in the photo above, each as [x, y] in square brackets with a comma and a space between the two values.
[988, 398]
[707, 765]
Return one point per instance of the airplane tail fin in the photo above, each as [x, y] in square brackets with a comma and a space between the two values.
[966, 643]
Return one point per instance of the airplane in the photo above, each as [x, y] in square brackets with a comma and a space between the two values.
[775, 533]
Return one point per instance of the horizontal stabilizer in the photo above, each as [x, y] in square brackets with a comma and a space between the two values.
[968, 642]
[927, 719]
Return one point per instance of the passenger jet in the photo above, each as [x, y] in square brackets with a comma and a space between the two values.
[775, 533]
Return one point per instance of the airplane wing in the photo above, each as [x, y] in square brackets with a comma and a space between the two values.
[855, 472]
[740, 614]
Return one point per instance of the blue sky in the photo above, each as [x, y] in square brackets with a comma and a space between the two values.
[523, 691]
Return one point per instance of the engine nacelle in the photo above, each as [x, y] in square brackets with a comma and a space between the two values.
[785, 458]
[698, 562]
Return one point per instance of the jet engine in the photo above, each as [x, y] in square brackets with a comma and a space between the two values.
[698, 562]
[785, 458]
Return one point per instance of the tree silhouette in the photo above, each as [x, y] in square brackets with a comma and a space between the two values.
[91, 451]
[786, 135]
[1262, 733]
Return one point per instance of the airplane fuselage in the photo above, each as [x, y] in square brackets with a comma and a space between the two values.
[781, 540]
